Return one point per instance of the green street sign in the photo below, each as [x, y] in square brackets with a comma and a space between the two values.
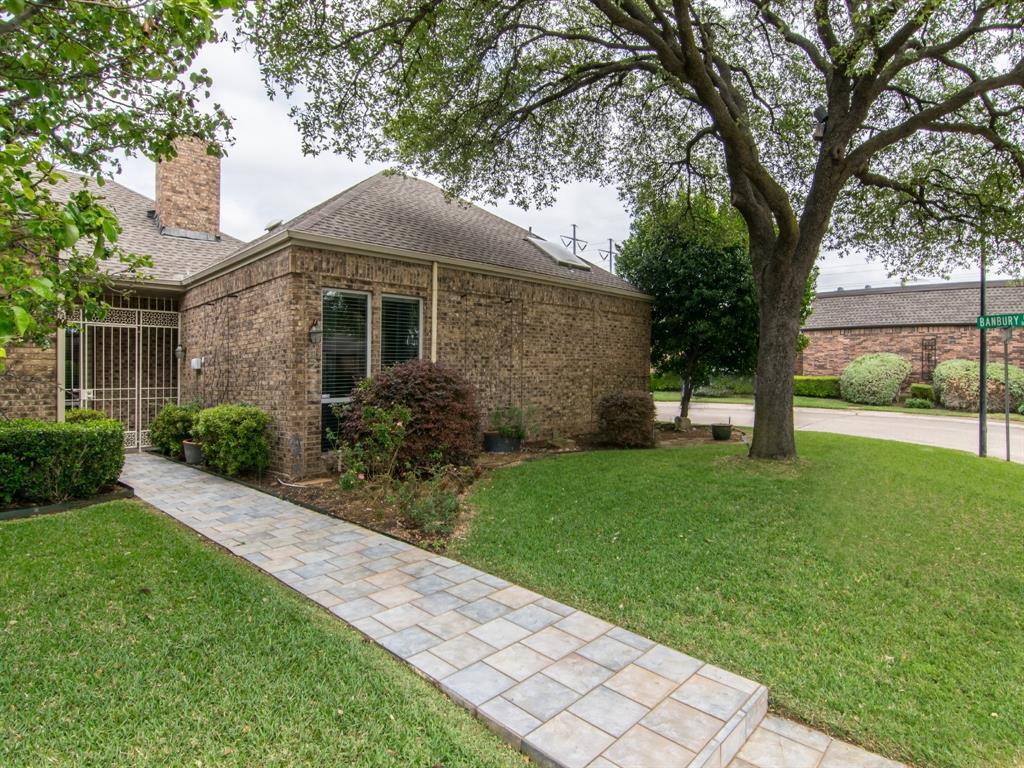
[1001, 321]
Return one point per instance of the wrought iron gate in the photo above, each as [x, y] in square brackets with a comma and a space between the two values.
[125, 364]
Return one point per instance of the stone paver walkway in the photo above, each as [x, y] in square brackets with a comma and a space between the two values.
[565, 687]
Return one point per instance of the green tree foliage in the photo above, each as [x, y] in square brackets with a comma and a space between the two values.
[80, 81]
[917, 137]
[691, 256]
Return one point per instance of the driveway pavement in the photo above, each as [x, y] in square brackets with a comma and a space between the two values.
[940, 431]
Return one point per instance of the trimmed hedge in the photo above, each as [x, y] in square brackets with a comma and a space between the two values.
[922, 392]
[665, 382]
[626, 419]
[234, 438]
[918, 402]
[956, 384]
[816, 386]
[874, 379]
[444, 424]
[726, 385]
[76, 415]
[46, 462]
[171, 426]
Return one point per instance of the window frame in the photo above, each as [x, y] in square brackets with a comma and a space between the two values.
[419, 339]
[368, 295]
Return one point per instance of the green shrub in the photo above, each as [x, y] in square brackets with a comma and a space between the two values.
[874, 379]
[956, 384]
[431, 506]
[77, 415]
[816, 386]
[918, 402]
[513, 421]
[922, 392]
[45, 462]
[375, 455]
[726, 385]
[173, 425]
[626, 419]
[665, 382]
[444, 421]
[234, 438]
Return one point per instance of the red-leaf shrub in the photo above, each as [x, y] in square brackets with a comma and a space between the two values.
[444, 424]
[626, 419]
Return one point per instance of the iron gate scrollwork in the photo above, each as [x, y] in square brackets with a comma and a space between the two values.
[124, 364]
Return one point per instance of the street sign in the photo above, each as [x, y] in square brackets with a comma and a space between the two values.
[1001, 321]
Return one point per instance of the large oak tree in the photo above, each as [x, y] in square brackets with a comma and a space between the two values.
[914, 153]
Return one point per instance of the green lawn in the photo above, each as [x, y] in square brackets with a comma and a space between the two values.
[833, 404]
[876, 587]
[126, 641]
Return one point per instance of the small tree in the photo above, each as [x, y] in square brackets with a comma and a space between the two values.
[81, 81]
[692, 258]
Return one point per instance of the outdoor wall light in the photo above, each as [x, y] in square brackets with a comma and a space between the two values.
[179, 352]
[316, 332]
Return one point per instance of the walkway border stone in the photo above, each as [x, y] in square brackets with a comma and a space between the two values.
[567, 688]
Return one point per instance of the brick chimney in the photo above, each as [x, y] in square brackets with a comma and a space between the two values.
[188, 192]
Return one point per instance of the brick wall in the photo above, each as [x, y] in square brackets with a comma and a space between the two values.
[831, 350]
[188, 189]
[518, 342]
[28, 385]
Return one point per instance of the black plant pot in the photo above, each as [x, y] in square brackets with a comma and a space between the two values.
[495, 443]
[193, 452]
[721, 431]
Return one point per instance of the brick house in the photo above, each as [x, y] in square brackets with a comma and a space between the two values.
[388, 270]
[925, 323]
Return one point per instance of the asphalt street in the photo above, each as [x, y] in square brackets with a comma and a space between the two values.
[941, 431]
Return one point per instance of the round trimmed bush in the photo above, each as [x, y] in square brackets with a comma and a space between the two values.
[234, 438]
[84, 414]
[874, 379]
[444, 423]
[626, 419]
[172, 426]
[956, 384]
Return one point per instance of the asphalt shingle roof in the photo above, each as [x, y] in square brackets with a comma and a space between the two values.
[392, 210]
[174, 258]
[942, 304]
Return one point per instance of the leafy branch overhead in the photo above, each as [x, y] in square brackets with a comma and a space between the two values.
[81, 83]
[893, 128]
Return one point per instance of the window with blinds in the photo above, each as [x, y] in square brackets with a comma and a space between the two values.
[399, 330]
[345, 350]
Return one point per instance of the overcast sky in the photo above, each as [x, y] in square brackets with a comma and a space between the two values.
[266, 177]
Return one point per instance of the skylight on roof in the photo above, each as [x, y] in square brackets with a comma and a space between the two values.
[560, 254]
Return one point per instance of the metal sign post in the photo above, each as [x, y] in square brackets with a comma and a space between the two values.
[1006, 323]
[1007, 335]
[983, 360]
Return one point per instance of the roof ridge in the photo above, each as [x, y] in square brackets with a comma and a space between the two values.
[335, 203]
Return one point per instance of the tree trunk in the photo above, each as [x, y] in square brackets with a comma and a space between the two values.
[780, 292]
[685, 392]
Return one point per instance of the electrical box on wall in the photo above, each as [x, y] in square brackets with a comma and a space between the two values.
[197, 363]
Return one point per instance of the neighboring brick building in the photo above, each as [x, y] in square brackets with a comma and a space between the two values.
[388, 270]
[925, 323]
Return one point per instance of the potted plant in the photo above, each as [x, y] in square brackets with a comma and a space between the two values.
[509, 427]
[721, 431]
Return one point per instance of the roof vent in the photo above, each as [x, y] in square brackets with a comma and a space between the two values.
[839, 288]
[273, 224]
[559, 254]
